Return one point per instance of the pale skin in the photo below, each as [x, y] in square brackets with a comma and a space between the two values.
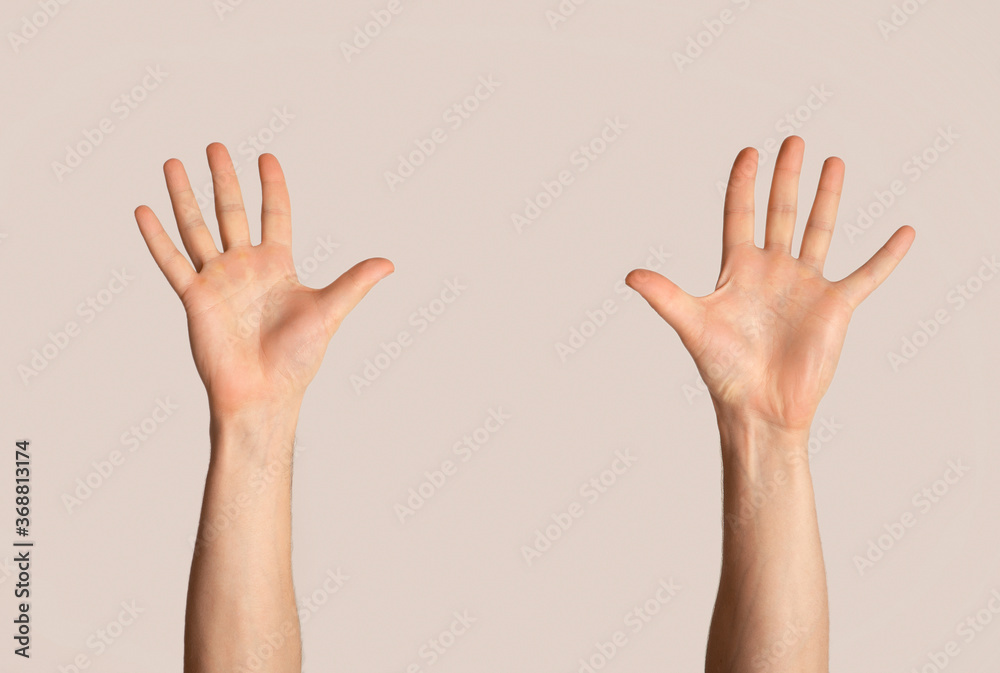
[767, 342]
[258, 338]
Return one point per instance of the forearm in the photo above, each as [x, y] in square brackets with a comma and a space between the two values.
[771, 613]
[241, 602]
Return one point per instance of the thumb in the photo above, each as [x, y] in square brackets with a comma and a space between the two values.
[341, 296]
[674, 305]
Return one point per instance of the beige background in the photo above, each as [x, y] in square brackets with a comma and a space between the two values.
[61, 241]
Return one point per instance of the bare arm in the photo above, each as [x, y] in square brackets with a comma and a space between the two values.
[241, 601]
[767, 342]
[258, 337]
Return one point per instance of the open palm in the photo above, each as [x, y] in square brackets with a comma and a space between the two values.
[258, 336]
[768, 339]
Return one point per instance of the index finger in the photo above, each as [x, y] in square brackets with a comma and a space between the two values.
[275, 207]
[172, 263]
[738, 212]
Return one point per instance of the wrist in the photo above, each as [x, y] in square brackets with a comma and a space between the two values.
[790, 417]
[253, 435]
[250, 404]
[759, 445]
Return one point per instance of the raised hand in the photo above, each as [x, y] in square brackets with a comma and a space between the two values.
[258, 335]
[768, 339]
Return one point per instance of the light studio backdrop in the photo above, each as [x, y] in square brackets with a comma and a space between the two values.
[507, 454]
